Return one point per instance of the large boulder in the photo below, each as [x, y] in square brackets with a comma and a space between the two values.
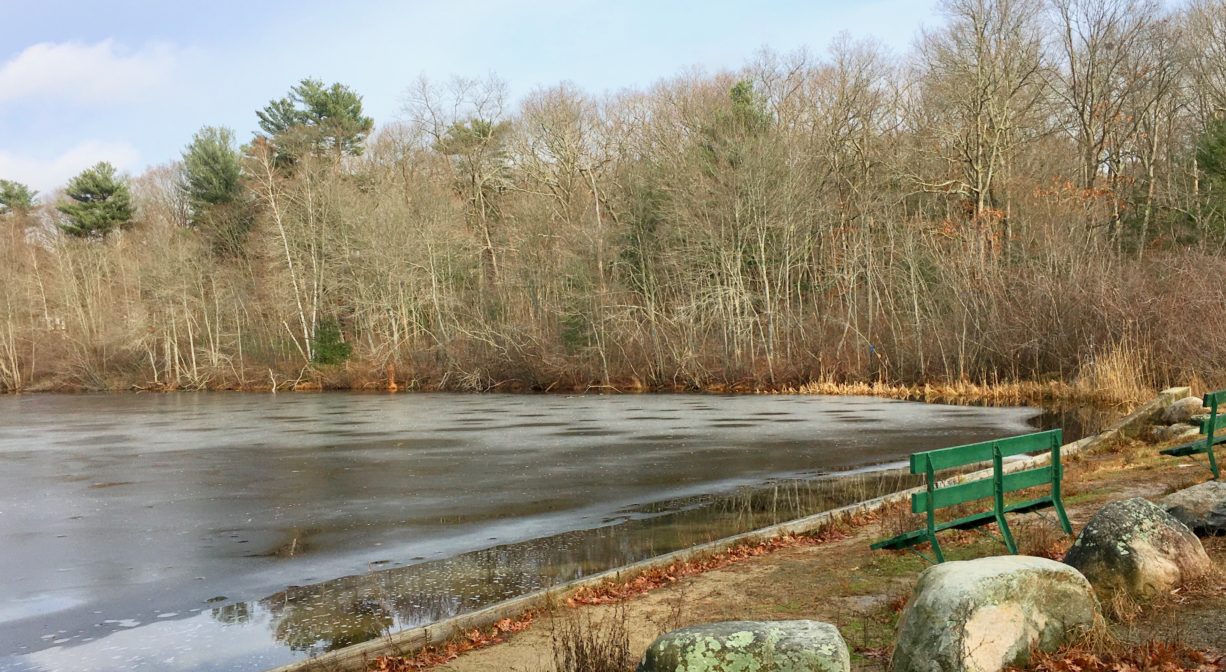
[1201, 507]
[1183, 410]
[983, 615]
[749, 646]
[1134, 546]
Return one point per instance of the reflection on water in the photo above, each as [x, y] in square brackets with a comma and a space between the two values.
[341, 612]
[1077, 421]
[240, 532]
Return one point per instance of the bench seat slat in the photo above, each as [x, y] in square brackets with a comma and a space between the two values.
[904, 540]
[917, 537]
[1196, 447]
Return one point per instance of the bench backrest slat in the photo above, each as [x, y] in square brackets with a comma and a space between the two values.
[973, 453]
[1213, 399]
[980, 489]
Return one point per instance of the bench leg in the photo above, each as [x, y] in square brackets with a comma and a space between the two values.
[931, 478]
[1057, 487]
[1060, 514]
[998, 491]
[1211, 430]
[936, 548]
[1006, 533]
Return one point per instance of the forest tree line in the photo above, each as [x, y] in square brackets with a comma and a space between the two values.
[1036, 185]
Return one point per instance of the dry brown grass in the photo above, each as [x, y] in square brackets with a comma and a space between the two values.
[1099, 651]
[1041, 537]
[584, 643]
[1188, 478]
[676, 614]
[896, 518]
[1104, 381]
[1121, 607]
[1120, 371]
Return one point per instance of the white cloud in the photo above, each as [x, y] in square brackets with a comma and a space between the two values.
[49, 173]
[104, 72]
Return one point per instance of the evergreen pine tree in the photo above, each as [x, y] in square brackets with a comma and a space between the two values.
[317, 118]
[212, 172]
[1211, 151]
[16, 197]
[100, 203]
[212, 185]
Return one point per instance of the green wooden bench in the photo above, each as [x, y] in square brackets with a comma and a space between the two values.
[936, 497]
[1208, 427]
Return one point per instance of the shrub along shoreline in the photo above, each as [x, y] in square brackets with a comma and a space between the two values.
[1080, 392]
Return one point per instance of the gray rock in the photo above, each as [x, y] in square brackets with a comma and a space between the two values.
[1201, 507]
[1134, 546]
[1183, 410]
[749, 646]
[1164, 400]
[1163, 433]
[983, 615]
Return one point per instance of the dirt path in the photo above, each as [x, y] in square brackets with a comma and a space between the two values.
[861, 591]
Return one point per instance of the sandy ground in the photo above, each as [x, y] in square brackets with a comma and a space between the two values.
[861, 591]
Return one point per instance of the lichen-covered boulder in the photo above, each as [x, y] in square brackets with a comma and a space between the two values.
[1201, 507]
[749, 646]
[1134, 546]
[983, 615]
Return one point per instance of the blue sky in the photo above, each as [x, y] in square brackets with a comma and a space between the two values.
[130, 80]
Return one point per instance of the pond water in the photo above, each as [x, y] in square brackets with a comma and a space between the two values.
[240, 532]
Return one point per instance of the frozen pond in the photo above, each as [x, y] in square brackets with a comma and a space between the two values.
[240, 531]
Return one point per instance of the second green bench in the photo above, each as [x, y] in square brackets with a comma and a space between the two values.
[1208, 427]
[936, 497]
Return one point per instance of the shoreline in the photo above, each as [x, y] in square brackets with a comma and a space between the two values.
[412, 641]
[1052, 393]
